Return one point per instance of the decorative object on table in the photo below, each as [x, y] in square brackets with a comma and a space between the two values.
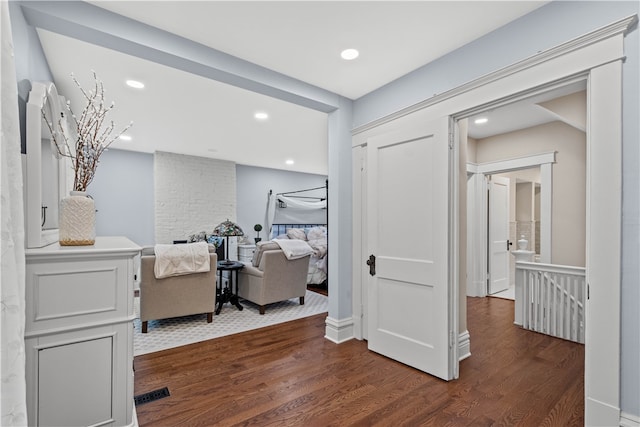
[257, 228]
[227, 229]
[523, 243]
[77, 220]
[84, 145]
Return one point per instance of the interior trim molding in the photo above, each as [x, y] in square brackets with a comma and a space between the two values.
[339, 330]
[621, 26]
[464, 345]
[629, 420]
[598, 413]
[523, 162]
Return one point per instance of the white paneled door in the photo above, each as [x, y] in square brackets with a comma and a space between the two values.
[498, 234]
[408, 233]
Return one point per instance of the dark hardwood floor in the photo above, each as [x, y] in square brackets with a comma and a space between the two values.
[321, 289]
[290, 375]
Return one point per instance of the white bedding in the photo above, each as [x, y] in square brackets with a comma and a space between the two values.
[316, 237]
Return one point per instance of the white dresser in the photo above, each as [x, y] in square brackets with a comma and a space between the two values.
[245, 252]
[79, 334]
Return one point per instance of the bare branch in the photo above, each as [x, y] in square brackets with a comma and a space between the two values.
[92, 138]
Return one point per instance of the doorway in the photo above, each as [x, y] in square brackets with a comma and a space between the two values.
[522, 221]
[513, 194]
[544, 163]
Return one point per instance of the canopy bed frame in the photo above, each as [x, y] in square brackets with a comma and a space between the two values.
[315, 232]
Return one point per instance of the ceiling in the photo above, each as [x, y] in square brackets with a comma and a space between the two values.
[184, 113]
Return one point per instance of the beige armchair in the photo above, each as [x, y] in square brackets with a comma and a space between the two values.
[178, 295]
[274, 279]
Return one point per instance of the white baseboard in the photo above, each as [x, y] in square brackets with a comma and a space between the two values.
[339, 330]
[599, 413]
[628, 420]
[464, 345]
[477, 289]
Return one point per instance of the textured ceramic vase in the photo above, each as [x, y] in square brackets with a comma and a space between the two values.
[77, 220]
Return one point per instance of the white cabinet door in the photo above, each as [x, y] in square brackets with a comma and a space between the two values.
[75, 386]
[408, 212]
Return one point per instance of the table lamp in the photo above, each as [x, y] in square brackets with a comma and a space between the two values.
[227, 229]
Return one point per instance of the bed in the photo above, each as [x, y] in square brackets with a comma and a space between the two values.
[302, 214]
[316, 236]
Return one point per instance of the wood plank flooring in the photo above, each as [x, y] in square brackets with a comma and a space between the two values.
[290, 375]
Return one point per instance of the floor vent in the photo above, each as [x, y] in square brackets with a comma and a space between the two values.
[151, 396]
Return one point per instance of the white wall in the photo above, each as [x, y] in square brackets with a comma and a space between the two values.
[192, 194]
[568, 227]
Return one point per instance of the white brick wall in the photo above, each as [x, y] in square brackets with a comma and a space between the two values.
[192, 194]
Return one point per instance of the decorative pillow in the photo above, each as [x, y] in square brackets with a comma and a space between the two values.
[260, 248]
[316, 233]
[296, 233]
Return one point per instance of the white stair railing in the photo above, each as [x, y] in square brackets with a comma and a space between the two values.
[550, 299]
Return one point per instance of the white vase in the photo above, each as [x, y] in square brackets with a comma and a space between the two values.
[77, 222]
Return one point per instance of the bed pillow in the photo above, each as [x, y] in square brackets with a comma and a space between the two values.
[296, 233]
[260, 248]
[316, 233]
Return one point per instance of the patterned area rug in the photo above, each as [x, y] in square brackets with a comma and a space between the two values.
[169, 333]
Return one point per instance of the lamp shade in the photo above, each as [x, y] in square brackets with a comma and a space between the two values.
[227, 228]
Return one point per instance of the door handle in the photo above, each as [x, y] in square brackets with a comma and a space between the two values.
[371, 262]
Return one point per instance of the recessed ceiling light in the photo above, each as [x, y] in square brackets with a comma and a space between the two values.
[135, 84]
[289, 162]
[481, 120]
[261, 115]
[349, 54]
[125, 137]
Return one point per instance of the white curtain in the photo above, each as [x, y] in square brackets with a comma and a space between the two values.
[298, 211]
[13, 409]
[271, 211]
[302, 204]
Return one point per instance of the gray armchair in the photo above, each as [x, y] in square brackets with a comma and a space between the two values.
[274, 279]
[176, 296]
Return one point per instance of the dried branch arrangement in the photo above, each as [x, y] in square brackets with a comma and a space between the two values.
[92, 138]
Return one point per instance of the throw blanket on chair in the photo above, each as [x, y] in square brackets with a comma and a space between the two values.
[177, 260]
[294, 248]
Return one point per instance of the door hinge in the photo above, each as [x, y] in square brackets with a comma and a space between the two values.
[451, 141]
[588, 291]
[451, 341]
